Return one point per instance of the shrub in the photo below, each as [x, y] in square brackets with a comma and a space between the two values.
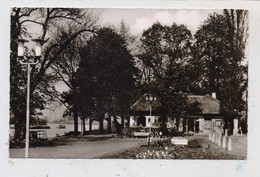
[128, 131]
[162, 142]
[243, 124]
[175, 132]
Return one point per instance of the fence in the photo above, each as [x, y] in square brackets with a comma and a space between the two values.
[36, 135]
[221, 140]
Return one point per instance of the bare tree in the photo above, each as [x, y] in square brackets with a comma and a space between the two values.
[49, 20]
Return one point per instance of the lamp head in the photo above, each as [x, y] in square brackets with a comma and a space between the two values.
[21, 46]
[38, 48]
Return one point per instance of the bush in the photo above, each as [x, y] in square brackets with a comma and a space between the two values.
[127, 131]
[162, 142]
[72, 133]
[243, 124]
[38, 121]
[175, 132]
[189, 133]
[194, 144]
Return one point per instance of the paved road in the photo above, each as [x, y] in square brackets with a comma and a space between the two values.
[80, 149]
[239, 145]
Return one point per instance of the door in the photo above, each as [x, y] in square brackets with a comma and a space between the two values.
[141, 121]
[197, 126]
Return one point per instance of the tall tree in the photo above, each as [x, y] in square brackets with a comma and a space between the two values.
[64, 71]
[165, 51]
[219, 57]
[106, 75]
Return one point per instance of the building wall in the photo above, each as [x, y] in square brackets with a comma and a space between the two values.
[206, 126]
[133, 121]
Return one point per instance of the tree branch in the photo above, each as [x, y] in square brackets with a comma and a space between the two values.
[63, 46]
[32, 21]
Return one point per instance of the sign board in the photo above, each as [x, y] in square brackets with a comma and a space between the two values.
[179, 141]
[141, 134]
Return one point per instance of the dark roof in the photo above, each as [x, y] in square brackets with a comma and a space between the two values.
[142, 105]
[199, 98]
[209, 104]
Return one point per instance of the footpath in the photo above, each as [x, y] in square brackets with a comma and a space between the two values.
[239, 145]
[80, 148]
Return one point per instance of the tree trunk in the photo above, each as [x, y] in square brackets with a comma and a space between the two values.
[189, 124]
[122, 121]
[163, 127]
[226, 123]
[231, 125]
[109, 124]
[20, 130]
[117, 125]
[84, 124]
[177, 123]
[101, 125]
[90, 125]
[76, 130]
[128, 121]
[184, 124]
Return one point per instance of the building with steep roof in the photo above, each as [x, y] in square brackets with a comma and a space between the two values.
[147, 110]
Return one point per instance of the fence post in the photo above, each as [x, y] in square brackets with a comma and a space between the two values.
[224, 142]
[229, 144]
[216, 138]
[219, 139]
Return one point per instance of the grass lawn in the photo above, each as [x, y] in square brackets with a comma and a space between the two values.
[167, 151]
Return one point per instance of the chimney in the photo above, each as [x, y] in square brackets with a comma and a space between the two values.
[214, 95]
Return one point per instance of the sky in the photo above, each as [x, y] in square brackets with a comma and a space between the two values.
[141, 19]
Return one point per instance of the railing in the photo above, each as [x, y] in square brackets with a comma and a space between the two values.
[36, 135]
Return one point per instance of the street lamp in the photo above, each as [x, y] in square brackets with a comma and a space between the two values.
[38, 51]
[150, 98]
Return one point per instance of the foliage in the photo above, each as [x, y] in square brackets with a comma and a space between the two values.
[164, 50]
[164, 55]
[243, 124]
[38, 121]
[175, 132]
[33, 120]
[105, 75]
[164, 142]
[219, 57]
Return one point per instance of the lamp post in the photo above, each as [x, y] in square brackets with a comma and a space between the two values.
[38, 50]
[150, 98]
